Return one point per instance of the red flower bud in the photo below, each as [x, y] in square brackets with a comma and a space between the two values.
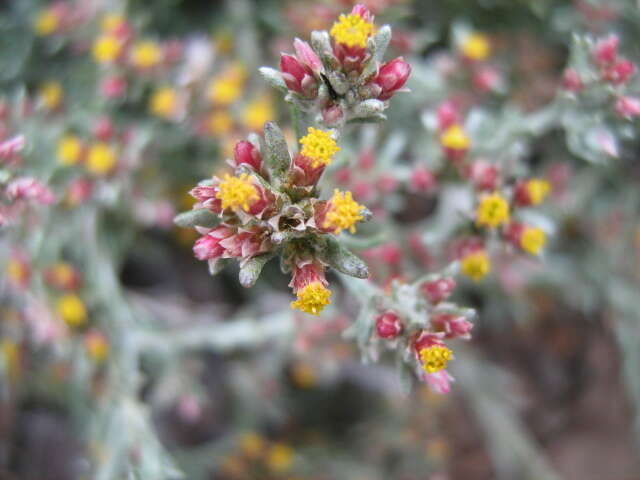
[628, 107]
[422, 180]
[297, 76]
[453, 326]
[620, 72]
[388, 326]
[247, 153]
[484, 175]
[362, 11]
[448, 115]
[438, 290]
[392, 76]
[571, 81]
[103, 129]
[605, 51]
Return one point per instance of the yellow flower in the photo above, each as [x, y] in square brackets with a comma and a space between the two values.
[312, 298]
[224, 90]
[51, 95]
[455, 138]
[146, 54]
[163, 102]
[219, 123]
[252, 444]
[344, 212]
[476, 265]
[279, 458]
[101, 159]
[69, 150]
[17, 271]
[351, 30]
[257, 113]
[492, 211]
[46, 23]
[533, 240]
[106, 49]
[435, 358]
[476, 47]
[537, 190]
[111, 22]
[318, 146]
[237, 192]
[97, 346]
[72, 310]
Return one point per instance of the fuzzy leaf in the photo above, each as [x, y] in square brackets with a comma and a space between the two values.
[343, 260]
[380, 42]
[200, 217]
[274, 79]
[250, 271]
[277, 159]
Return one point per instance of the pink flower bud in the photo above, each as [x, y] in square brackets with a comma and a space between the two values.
[343, 176]
[113, 87]
[620, 72]
[362, 11]
[390, 254]
[571, 81]
[628, 107]
[332, 115]
[209, 245]
[447, 115]
[605, 51]
[486, 78]
[439, 382]
[79, 191]
[422, 180]
[388, 326]
[513, 233]
[438, 290]
[103, 129]
[453, 326]
[307, 56]
[296, 76]
[247, 153]
[484, 175]
[425, 339]
[392, 76]
[386, 183]
[12, 147]
[27, 188]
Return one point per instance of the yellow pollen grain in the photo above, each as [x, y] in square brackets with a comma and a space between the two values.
[237, 192]
[476, 47]
[312, 298]
[344, 212]
[537, 189]
[533, 240]
[435, 358]
[69, 150]
[492, 211]
[455, 138]
[351, 30]
[476, 265]
[72, 310]
[318, 146]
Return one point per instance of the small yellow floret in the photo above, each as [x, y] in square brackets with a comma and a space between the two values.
[51, 95]
[111, 22]
[237, 192]
[225, 90]
[476, 265]
[62, 273]
[344, 212]
[163, 102]
[455, 138]
[279, 458]
[533, 240]
[318, 146]
[106, 49]
[17, 272]
[101, 159]
[352, 30]
[46, 23]
[476, 47]
[435, 358]
[312, 298]
[538, 190]
[257, 113]
[69, 150]
[219, 123]
[146, 54]
[97, 346]
[492, 211]
[72, 310]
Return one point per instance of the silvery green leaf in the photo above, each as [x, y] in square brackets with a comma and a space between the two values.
[343, 260]
[378, 47]
[338, 82]
[276, 152]
[250, 271]
[273, 78]
[200, 217]
[321, 44]
[216, 265]
[368, 108]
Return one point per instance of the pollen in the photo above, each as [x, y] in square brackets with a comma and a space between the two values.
[492, 211]
[237, 192]
[537, 189]
[146, 54]
[106, 49]
[51, 95]
[344, 212]
[476, 47]
[455, 138]
[351, 30]
[69, 150]
[46, 23]
[312, 298]
[533, 240]
[101, 159]
[72, 310]
[163, 102]
[435, 358]
[476, 265]
[318, 146]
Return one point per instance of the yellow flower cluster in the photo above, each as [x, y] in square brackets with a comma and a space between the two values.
[46, 23]
[227, 87]
[318, 146]
[51, 95]
[163, 102]
[352, 30]
[435, 358]
[533, 240]
[476, 265]
[476, 47]
[312, 298]
[146, 54]
[257, 113]
[69, 150]
[492, 211]
[454, 138]
[106, 49]
[101, 159]
[237, 192]
[72, 310]
[537, 189]
[344, 212]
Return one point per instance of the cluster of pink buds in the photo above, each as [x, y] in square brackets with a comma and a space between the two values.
[341, 73]
[269, 207]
